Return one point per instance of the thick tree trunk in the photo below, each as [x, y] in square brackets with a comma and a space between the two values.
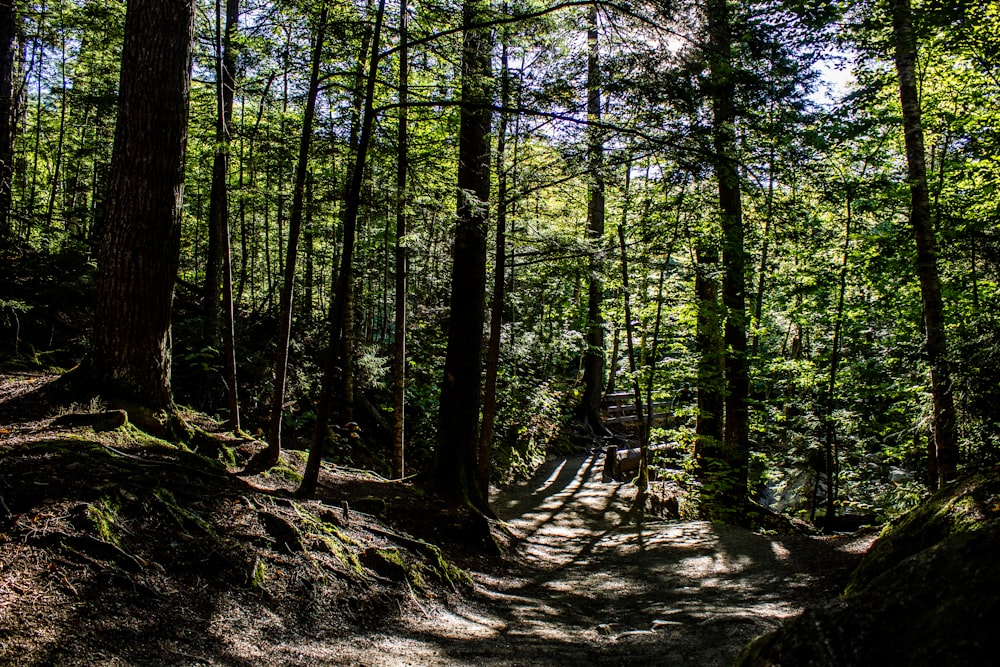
[140, 246]
[730, 490]
[455, 459]
[945, 438]
[593, 359]
[499, 284]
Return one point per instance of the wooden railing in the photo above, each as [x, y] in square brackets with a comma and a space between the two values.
[619, 408]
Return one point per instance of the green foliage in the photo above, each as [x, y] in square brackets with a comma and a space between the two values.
[806, 170]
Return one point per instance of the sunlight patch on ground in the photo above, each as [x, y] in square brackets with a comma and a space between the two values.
[780, 551]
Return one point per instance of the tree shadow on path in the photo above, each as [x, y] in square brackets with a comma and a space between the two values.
[602, 582]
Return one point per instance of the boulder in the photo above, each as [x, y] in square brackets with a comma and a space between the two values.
[927, 593]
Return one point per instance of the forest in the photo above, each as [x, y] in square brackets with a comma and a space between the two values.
[743, 253]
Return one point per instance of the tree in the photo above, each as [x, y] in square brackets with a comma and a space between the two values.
[269, 456]
[140, 248]
[936, 345]
[340, 307]
[487, 428]
[593, 358]
[8, 105]
[219, 209]
[455, 459]
[727, 466]
[399, 310]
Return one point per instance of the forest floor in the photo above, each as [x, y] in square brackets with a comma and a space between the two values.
[115, 550]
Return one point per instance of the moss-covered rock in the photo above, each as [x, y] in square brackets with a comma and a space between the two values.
[938, 607]
[926, 593]
[967, 505]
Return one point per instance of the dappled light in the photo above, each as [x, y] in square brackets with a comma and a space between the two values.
[606, 583]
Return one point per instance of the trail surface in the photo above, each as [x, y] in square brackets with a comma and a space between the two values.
[604, 584]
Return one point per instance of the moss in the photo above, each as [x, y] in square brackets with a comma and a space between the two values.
[964, 506]
[288, 467]
[212, 448]
[184, 517]
[445, 572]
[336, 542]
[259, 574]
[104, 515]
[133, 435]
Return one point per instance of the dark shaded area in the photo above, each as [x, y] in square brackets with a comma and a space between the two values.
[116, 548]
[925, 594]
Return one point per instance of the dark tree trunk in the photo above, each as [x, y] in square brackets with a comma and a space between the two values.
[593, 358]
[708, 425]
[945, 438]
[643, 479]
[455, 459]
[399, 340]
[8, 107]
[830, 448]
[140, 245]
[270, 455]
[730, 490]
[218, 223]
[340, 310]
[219, 212]
[499, 284]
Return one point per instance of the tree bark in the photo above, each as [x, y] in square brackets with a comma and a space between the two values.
[730, 489]
[708, 340]
[830, 444]
[219, 212]
[218, 223]
[945, 438]
[456, 456]
[140, 246]
[593, 359]
[269, 456]
[499, 285]
[8, 107]
[399, 317]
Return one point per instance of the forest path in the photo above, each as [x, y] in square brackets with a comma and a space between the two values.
[603, 584]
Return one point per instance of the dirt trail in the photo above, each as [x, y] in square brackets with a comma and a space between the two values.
[605, 585]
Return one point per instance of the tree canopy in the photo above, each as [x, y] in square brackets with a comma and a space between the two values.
[720, 195]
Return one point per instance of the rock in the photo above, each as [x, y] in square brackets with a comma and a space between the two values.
[925, 594]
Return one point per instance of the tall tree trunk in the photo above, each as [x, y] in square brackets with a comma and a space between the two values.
[643, 480]
[455, 459]
[499, 283]
[140, 246]
[340, 309]
[267, 458]
[593, 358]
[711, 381]
[399, 318]
[218, 223]
[758, 306]
[227, 77]
[8, 108]
[830, 449]
[945, 438]
[730, 490]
